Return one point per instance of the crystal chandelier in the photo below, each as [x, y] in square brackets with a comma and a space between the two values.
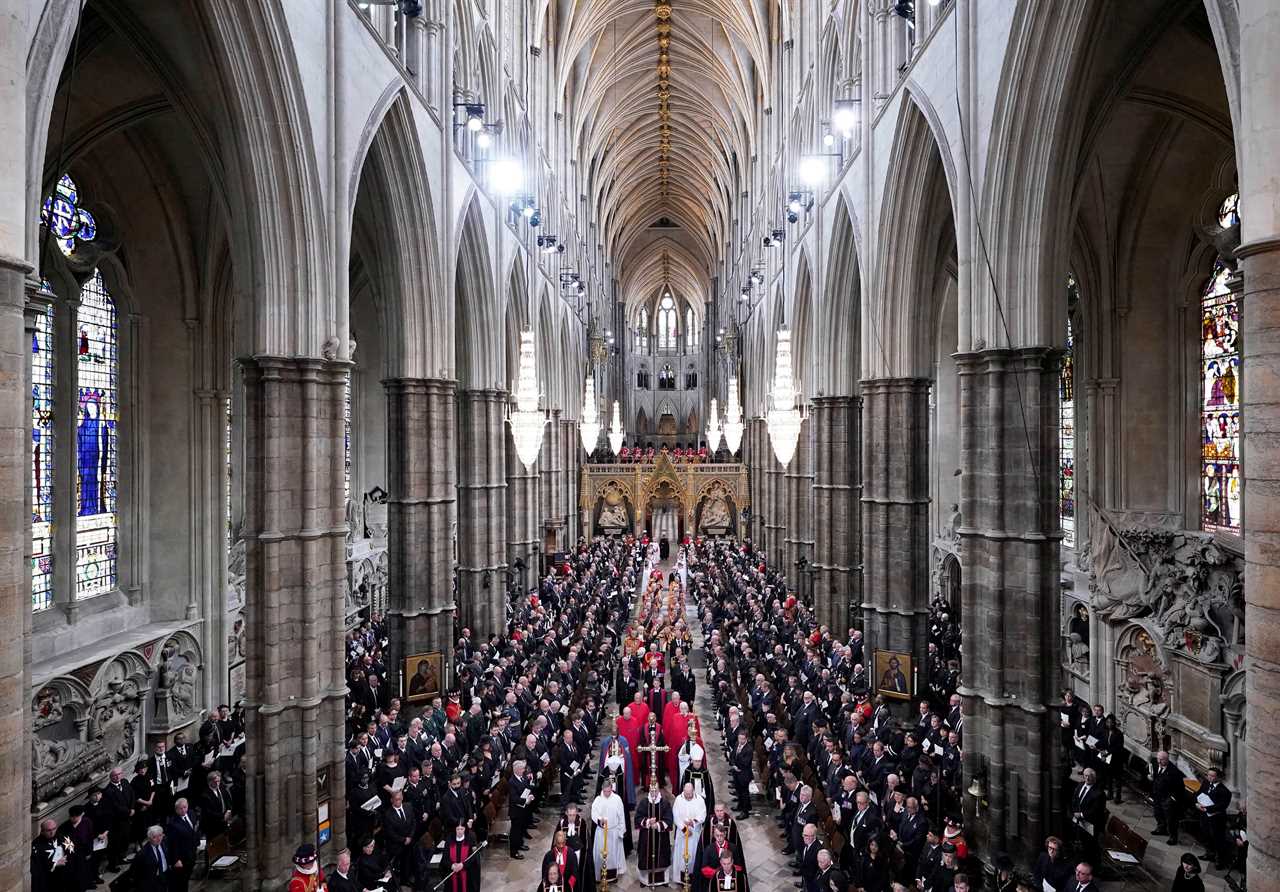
[615, 430]
[589, 427]
[733, 426]
[713, 428]
[525, 419]
[784, 419]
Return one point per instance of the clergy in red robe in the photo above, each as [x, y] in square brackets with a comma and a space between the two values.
[639, 709]
[675, 728]
[651, 736]
[629, 727]
[463, 870]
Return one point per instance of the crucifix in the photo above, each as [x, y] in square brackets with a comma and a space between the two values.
[653, 749]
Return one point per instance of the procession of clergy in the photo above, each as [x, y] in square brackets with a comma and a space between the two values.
[656, 742]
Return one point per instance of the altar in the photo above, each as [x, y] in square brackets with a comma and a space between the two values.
[662, 498]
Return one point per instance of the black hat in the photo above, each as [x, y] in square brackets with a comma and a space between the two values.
[948, 848]
[1004, 862]
[305, 855]
[76, 811]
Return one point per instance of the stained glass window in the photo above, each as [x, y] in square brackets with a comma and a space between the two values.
[97, 439]
[666, 323]
[1220, 402]
[346, 438]
[65, 219]
[43, 376]
[1067, 427]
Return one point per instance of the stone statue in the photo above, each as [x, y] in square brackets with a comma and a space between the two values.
[613, 517]
[715, 516]
[175, 686]
[375, 513]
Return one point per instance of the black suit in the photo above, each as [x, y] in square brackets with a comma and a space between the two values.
[213, 807]
[396, 827]
[1214, 821]
[152, 867]
[183, 841]
[741, 769]
[1059, 874]
[117, 802]
[1168, 797]
[339, 883]
[809, 865]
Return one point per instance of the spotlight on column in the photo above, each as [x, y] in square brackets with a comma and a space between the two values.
[482, 139]
[475, 117]
[505, 176]
[844, 116]
[410, 9]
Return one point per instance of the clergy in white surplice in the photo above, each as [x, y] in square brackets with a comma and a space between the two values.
[610, 820]
[689, 811]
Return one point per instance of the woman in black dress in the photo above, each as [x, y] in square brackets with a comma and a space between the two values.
[873, 868]
[1187, 878]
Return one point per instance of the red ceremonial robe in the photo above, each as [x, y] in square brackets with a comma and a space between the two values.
[675, 728]
[630, 729]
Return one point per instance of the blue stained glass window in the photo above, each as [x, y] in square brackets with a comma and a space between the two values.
[346, 438]
[1220, 402]
[97, 439]
[43, 371]
[1067, 426]
[65, 219]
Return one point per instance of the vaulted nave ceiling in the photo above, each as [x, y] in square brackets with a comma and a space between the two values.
[660, 101]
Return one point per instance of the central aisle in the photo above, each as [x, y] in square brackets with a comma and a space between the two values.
[767, 867]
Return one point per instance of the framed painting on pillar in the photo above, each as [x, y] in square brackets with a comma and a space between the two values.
[894, 674]
[423, 674]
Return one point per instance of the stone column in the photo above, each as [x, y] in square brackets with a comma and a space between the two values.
[1260, 261]
[482, 510]
[1010, 545]
[522, 515]
[295, 579]
[422, 508]
[836, 512]
[571, 445]
[16, 326]
[895, 513]
[798, 477]
[755, 459]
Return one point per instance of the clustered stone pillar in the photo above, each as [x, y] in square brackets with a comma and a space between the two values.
[1010, 539]
[422, 508]
[895, 513]
[15, 576]
[798, 477]
[295, 579]
[569, 440]
[1259, 256]
[522, 515]
[836, 512]
[755, 454]
[482, 511]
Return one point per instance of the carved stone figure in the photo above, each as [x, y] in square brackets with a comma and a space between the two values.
[375, 513]
[613, 517]
[1187, 584]
[715, 516]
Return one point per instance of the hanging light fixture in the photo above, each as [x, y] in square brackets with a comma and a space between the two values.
[784, 418]
[589, 427]
[733, 426]
[526, 421]
[616, 434]
[713, 428]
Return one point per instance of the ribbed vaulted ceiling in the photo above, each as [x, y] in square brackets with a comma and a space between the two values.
[661, 97]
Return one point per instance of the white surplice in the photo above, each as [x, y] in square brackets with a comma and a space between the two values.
[609, 809]
[684, 811]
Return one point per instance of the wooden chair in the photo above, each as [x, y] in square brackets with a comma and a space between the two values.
[1120, 839]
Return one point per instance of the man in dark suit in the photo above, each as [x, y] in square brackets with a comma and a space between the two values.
[117, 798]
[808, 858]
[1213, 819]
[182, 835]
[215, 807]
[78, 828]
[912, 828]
[519, 804]
[399, 830]
[153, 864]
[866, 823]
[1084, 879]
[1168, 796]
[343, 878]
[741, 769]
[830, 878]
[1089, 813]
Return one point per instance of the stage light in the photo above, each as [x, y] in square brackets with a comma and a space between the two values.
[844, 115]
[813, 171]
[475, 118]
[483, 140]
[506, 177]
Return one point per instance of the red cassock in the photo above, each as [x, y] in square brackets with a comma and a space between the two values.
[455, 852]
[675, 728]
[629, 728]
[640, 712]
